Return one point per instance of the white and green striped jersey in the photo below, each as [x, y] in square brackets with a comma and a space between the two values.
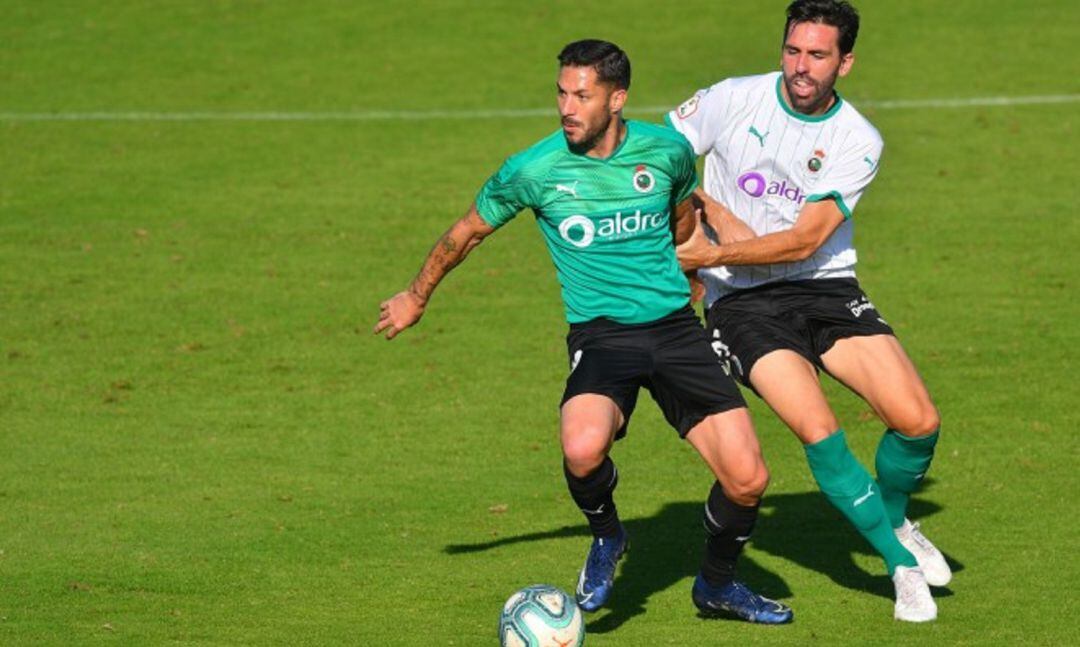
[764, 161]
[606, 222]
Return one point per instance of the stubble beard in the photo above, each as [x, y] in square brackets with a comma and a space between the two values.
[821, 97]
[589, 138]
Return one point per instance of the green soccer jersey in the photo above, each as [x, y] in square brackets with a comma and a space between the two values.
[606, 222]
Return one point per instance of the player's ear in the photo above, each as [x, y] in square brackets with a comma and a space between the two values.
[846, 61]
[617, 100]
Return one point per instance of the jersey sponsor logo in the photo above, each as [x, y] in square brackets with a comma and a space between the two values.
[643, 179]
[688, 107]
[580, 231]
[755, 185]
[576, 223]
[761, 138]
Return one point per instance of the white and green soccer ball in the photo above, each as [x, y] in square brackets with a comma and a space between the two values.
[541, 616]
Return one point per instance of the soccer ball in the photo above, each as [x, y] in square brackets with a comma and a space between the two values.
[541, 616]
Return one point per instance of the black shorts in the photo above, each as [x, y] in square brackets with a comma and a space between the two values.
[671, 357]
[807, 317]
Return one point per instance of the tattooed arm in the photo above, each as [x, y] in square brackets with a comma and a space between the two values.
[405, 308]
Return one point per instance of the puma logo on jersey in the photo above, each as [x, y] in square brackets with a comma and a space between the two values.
[869, 161]
[571, 189]
[761, 138]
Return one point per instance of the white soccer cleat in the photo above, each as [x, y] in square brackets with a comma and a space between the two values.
[913, 600]
[930, 559]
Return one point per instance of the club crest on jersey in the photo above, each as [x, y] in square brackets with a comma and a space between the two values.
[643, 179]
[814, 163]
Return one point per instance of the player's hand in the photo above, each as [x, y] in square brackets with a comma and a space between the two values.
[398, 313]
[695, 252]
[728, 227]
[725, 224]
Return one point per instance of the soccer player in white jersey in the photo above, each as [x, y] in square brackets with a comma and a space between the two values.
[785, 154]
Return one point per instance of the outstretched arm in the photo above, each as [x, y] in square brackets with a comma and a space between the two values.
[728, 227]
[699, 207]
[405, 308]
[817, 221]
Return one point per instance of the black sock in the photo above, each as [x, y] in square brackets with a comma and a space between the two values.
[592, 495]
[729, 526]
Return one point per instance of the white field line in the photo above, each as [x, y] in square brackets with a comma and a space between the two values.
[423, 115]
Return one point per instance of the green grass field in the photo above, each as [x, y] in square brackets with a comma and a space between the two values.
[202, 442]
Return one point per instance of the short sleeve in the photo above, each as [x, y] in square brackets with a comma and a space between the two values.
[505, 194]
[700, 117]
[846, 180]
[684, 177]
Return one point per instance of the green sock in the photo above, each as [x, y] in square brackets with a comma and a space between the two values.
[901, 464]
[848, 486]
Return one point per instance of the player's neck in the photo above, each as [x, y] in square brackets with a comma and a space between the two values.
[606, 145]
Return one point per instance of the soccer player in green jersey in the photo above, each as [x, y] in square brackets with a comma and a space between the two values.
[611, 197]
[792, 159]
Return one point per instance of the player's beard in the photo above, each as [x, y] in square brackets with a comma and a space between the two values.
[823, 92]
[590, 136]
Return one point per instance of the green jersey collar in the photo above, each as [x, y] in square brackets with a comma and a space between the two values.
[800, 116]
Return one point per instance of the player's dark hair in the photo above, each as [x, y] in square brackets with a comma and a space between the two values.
[611, 63]
[835, 13]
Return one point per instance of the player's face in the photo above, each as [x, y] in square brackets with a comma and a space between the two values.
[811, 62]
[586, 106]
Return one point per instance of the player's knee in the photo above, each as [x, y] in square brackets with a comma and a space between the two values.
[749, 489]
[920, 421]
[816, 429]
[583, 453]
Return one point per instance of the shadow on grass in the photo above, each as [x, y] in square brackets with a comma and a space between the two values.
[666, 548]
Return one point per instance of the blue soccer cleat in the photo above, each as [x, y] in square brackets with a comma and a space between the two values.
[735, 599]
[598, 574]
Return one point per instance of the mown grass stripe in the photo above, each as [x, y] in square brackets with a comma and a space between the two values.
[509, 113]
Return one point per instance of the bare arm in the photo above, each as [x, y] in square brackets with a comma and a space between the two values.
[817, 221]
[684, 219]
[728, 227]
[405, 308]
[684, 224]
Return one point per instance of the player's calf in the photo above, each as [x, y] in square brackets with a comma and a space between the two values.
[902, 462]
[849, 487]
[716, 592]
